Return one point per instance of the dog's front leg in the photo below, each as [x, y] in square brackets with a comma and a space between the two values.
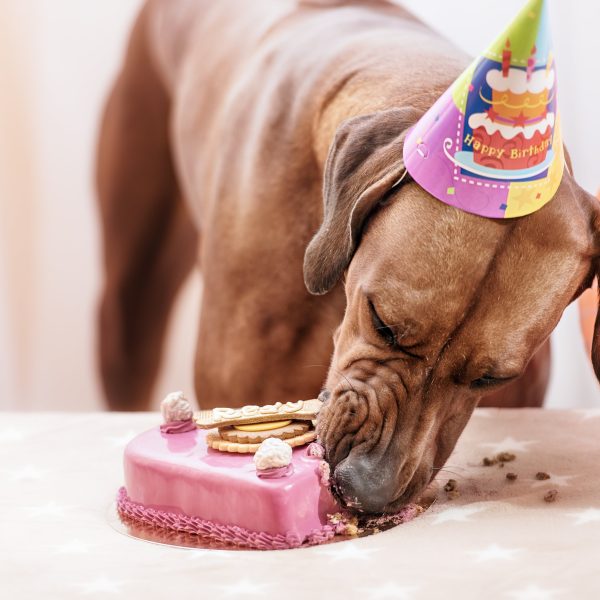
[262, 337]
[149, 240]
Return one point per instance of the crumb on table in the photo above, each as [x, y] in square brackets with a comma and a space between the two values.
[550, 495]
[450, 486]
[499, 459]
[506, 457]
[511, 476]
[542, 476]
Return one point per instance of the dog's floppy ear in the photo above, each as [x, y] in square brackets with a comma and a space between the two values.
[363, 165]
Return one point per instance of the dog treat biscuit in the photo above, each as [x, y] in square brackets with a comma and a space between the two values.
[302, 410]
[262, 426]
[216, 442]
[289, 430]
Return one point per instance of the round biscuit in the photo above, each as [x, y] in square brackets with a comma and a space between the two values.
[216, 442]
[256, 437]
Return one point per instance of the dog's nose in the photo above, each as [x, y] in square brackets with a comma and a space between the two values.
[363, 486]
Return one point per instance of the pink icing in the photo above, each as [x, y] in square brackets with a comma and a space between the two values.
[232, 534]
[315, 450]
[275, 472]
[324, 471]
[179, 476]
[178, 426]
[238, 536]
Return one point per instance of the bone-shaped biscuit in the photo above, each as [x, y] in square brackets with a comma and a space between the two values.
[302, 410]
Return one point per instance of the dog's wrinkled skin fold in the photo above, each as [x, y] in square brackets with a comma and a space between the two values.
[234, 134]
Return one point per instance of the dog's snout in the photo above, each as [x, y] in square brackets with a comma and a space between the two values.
[362, 486]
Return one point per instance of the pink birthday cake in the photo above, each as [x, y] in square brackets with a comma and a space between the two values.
[246, 477]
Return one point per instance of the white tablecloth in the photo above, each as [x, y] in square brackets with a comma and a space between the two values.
[60, 472]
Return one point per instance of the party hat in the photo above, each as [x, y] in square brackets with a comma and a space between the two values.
[491, 145]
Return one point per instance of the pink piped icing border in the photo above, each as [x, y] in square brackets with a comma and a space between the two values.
[233, 534]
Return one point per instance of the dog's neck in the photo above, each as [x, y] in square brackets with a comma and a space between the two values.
[352, 94]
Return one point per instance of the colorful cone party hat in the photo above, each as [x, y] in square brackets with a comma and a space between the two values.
[491, 145]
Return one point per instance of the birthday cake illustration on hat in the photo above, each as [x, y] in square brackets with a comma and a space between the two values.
[491, 145]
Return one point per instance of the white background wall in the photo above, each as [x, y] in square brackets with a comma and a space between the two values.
[57, 59]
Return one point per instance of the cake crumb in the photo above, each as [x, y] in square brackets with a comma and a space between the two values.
[506, 457]
[452, 494]
[324, 471]
[450, 486]
[511, 476]
[551, 495]
[542, 476]
[488, 462]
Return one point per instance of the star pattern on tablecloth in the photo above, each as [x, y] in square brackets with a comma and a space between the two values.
[11, 435]
[485, 413]
[244, 587]
[120, 441]
[458, 513]
[555, 480]
[50, 509]
[202, 554]
[588, 515]
[588, 413]
[100, 585]
[73, 547]
[346, 551]
[26, 472]
[509, 444]
[494, 552]
[389, 589]
[534, 592]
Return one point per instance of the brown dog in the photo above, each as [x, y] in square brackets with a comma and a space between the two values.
[251, 112]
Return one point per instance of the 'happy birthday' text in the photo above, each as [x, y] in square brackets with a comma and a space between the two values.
[513, 153]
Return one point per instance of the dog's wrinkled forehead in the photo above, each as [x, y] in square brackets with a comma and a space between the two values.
[434, 263]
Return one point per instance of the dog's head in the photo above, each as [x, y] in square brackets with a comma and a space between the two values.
[442, 307]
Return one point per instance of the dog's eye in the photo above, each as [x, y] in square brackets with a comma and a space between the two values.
[384, 332]
[489, 381]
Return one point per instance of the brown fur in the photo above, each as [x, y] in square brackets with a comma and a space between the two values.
[248, 111]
